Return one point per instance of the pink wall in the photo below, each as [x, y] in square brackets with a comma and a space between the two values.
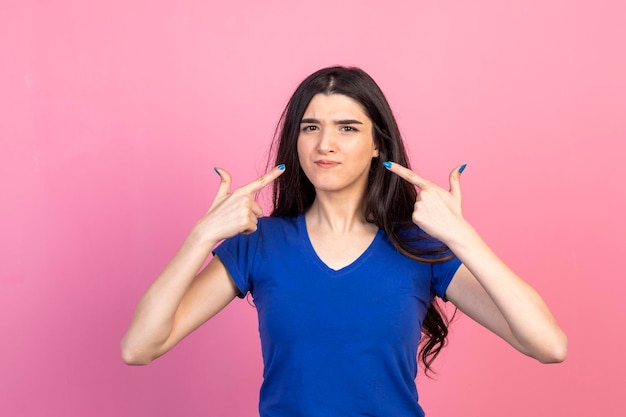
[113, 113]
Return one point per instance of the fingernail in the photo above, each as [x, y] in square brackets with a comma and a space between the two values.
[387, 164]
[218, 173]
[462, 168]
[281, 166]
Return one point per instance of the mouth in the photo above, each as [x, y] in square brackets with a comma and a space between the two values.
[326, 164]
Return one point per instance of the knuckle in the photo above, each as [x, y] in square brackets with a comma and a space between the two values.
[244, 223]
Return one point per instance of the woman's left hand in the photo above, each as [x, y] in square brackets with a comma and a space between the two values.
[437, 211]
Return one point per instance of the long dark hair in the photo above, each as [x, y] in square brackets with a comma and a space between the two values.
[389, 200]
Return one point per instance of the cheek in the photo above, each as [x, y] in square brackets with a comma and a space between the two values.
[302, 155]
[367, 152]
[305, 148]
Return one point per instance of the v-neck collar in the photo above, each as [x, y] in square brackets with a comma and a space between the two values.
[304, 234]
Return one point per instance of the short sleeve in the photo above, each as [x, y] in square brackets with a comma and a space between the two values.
[442, 274]
[238, 255]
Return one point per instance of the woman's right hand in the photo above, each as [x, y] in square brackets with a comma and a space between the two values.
[233, 212]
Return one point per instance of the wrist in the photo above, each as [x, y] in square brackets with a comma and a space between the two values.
[200, 237]
[463, 236]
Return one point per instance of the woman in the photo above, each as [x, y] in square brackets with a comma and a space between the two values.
[345, 271]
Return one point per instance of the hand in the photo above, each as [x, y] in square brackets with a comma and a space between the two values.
[234, 212]
[436, 211]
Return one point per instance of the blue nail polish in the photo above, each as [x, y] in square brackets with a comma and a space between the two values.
[218, 173]
[281, 166]
[462, 168]
[387, 164]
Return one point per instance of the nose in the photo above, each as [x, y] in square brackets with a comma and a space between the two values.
[327, 141]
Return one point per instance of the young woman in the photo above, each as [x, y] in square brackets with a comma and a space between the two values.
[346, 270]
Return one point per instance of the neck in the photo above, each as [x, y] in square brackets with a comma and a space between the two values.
[337, 213]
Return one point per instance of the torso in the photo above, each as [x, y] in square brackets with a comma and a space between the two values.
[335, 342]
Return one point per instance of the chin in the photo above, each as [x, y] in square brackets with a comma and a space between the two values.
[325, 187]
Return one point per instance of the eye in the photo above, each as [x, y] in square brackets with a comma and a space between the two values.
[348, 129]
[309, 128]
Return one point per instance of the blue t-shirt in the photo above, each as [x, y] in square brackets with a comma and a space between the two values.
[334, 342]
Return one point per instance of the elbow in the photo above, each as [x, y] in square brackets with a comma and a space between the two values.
[134, 357]
[134, 360]
[556, 356]
[557, 352]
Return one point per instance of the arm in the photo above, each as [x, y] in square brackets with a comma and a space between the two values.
[489, 292]
[484, 287]
[176, 304]
[179, 301]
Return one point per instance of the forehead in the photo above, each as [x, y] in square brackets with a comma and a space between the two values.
[334, 106]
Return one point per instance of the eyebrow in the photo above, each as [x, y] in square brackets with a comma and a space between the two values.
[337, 122]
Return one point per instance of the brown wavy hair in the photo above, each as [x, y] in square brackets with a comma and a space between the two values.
[388, 201]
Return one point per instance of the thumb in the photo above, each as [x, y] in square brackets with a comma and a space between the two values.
[455, 181]
[225, 182]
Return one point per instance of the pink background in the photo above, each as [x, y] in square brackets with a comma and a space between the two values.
[113, 113]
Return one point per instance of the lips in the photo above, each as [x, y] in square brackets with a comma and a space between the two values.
[323, 163]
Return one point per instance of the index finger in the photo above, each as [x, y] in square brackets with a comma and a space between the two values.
[407, 174]
[258, 184]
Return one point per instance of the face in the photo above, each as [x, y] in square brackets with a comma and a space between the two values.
[336, 145]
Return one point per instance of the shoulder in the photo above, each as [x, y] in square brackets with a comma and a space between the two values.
[270, 230]
[421, 242]
[271, 221]
[278, 225]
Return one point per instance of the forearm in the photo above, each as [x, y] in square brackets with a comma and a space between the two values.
[526, 314]
[154, 316]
